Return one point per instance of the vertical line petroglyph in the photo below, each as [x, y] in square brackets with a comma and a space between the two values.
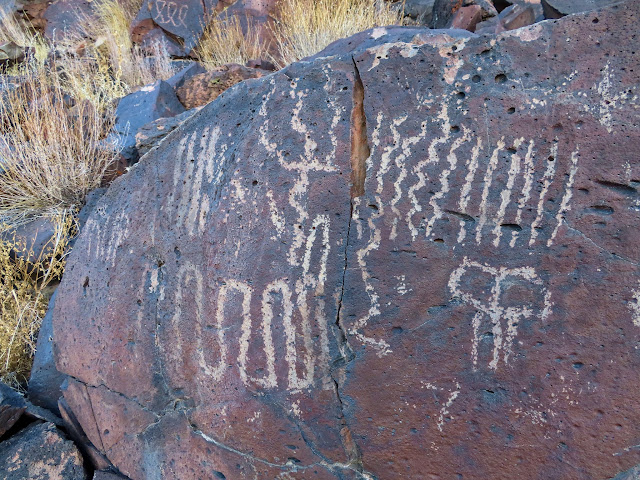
[360, 150]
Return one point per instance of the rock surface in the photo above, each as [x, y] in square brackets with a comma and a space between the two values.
[419, 261]
[45, 380]
[151, 134]
[560, 8]
[151, 102]
[206, 87]
[40, 452]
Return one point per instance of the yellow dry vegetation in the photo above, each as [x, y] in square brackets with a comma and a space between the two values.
[25, 289]
[51, 156]
[305, 27]
[224, 41]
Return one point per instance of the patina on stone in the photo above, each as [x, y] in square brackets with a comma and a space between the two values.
[40, 452]
[412, 262]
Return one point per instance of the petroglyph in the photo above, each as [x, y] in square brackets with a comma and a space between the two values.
[306, 164]
[504, 319]
[301, 311]
[634, 306]
[107, 234]
[491, 206]
[444, 411]
[187, 204]
[170, 13]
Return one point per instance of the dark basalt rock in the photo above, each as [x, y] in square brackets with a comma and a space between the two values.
[45, 380]
[404, 262]
[560, 8]
[40, 452]
[137, 109]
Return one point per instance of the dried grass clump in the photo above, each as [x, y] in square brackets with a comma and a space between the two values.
[114, 49]
[50, 158]
[24, 294]
[305, 27]
[223, 41]
[102, 64]
[16, 31]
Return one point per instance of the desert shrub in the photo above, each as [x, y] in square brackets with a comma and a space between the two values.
[223, 41]
[304, 27]
[50, 156]
[25, 289]
[103, 64]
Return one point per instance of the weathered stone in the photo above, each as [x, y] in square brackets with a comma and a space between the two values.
[45, 380]
[34, 14]
[40, 452]
[467, 18]
[107, 475]
[445, 10]
[517, 16]
[66, 17]
[151, 102]
[404, 262]
[152, 133]
[10, 54]
[560, 8]
[12, 407]
[10, 397]
[206, 87]
[185, 74]
[491, 26]
[156, 36]
[374, 37]
[75, 431]
[418, 10]
[631, 474]
[33, 239]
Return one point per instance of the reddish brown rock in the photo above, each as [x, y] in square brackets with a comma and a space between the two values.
[66, 17]
[206, 87]
[12, 407]
[466, 18]
[517, 16]
[409, 261]
[444, 11]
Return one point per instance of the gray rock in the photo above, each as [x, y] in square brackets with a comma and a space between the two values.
[34, 236]
[12, 406]
[185, 74]
[15, 400]
[373, 37]
[560, 8]
[107, 475]
[418, 10]
[152, 133]
[44, 383]
[40, 452]
[151, 102]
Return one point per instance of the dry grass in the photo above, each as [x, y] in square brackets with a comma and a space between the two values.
[113, 49]
[102, 64]
[305, 27]
[13, 30]
[51, 158]
[24, 295]
[223, 41]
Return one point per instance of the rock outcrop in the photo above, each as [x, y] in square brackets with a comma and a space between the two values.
[40, 452]
[405, 262]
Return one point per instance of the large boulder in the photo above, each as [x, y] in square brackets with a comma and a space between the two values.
[406, 262]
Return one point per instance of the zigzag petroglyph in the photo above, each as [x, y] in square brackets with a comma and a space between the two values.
[302, 313]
